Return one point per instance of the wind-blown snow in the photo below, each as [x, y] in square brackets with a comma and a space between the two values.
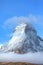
[36, 58]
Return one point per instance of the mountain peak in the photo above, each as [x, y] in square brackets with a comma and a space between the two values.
[26, 27]
[24, 39]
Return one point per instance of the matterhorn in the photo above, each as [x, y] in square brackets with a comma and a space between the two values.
[24, 39]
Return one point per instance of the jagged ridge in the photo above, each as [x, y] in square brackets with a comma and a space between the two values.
[24, 39]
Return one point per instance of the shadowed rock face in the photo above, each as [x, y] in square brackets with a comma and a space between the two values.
[24, 40]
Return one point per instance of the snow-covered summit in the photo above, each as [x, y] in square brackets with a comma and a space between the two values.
[24, 39]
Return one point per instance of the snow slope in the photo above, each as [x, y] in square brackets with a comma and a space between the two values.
[1, 45]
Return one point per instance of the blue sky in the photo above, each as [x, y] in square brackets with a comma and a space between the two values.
[9, 9]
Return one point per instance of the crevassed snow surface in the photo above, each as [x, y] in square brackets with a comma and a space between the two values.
[36, 58]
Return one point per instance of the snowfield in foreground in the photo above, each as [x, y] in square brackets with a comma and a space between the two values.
[36, 58]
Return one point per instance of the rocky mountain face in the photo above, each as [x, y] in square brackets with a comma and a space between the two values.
[23, 40]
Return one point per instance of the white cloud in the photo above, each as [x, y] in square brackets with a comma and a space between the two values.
[35, 58]
[9, 23]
